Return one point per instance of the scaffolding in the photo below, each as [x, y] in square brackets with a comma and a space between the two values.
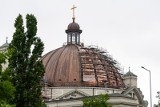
[98, 68]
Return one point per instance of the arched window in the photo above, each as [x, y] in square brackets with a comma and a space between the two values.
[69, 38]
[78, 39]
[73, 38]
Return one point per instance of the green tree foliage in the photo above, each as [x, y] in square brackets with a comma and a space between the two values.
[98, 101]
[26, 68]
[2, 60]
[6, 87]
[6, 91]
[6, 105]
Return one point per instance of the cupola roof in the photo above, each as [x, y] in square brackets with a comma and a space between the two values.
[5, 45]
[73, 27]
[129, 73]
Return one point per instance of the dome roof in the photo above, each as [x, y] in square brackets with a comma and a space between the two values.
[73, 26]
[74, 65]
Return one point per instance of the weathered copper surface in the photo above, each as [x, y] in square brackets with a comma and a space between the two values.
[74, 65]
[62, 65]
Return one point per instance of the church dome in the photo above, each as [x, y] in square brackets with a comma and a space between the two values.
[75, 65]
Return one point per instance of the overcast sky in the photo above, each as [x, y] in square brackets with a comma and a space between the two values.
[128, 29]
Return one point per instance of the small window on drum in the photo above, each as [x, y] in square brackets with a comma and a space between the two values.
[78, 40]
[73, 38]
[74, 79]
[69, 38]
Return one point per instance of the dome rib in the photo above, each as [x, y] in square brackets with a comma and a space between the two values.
[58, 62]
[49, 57]
[75, 56]
[46, 55]
[68, 66]
[78, 48]
[51, 65]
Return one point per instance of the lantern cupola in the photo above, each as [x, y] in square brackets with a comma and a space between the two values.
[73, 31]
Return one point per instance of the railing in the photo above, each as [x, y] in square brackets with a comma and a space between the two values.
[81, 44]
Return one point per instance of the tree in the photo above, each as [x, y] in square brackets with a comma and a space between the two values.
[6, 92]
[158, 97]
[24, 63]
[6, 87]
[99, 101]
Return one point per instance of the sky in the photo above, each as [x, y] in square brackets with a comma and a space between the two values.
[128, 29]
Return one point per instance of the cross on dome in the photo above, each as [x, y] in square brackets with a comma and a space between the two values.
[73, 12]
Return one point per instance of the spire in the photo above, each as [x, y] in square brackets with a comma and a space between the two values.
[129, 73]
[6, 39]
[129, 69]
[73, 12]
[5, 45]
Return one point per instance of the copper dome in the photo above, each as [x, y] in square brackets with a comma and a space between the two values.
[74, 65]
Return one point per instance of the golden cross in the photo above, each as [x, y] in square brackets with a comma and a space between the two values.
[73, 11]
